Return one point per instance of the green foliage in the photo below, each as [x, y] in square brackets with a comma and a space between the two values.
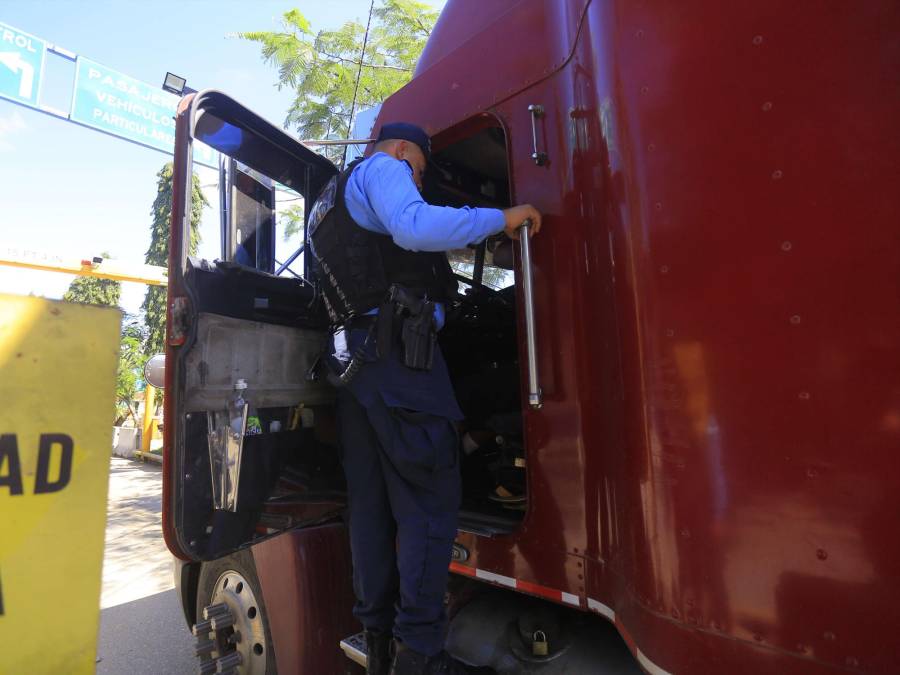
[131, 366]
[154, 305]
[94, 291]
[322, 66]
[290, 220]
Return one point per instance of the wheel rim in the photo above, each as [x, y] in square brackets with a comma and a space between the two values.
[247, 635]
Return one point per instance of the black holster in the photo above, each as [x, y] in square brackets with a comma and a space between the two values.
[417, 339]
[414, 318]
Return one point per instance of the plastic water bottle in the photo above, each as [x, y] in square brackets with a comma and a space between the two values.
[238, 427]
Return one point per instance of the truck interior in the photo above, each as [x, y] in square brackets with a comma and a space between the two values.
[256, 317]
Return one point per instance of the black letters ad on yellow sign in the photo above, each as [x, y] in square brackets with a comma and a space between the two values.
[12, 476]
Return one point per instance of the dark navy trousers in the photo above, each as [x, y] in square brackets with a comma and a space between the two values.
[400, 456]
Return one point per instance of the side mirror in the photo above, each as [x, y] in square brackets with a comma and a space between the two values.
[155, 371]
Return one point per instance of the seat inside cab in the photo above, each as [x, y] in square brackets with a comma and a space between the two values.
[259, 320]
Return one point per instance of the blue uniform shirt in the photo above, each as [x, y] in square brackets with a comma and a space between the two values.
[382, 197]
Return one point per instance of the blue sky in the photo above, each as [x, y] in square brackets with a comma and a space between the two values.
[69, 190]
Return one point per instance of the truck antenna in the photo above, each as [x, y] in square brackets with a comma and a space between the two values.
[362, 56]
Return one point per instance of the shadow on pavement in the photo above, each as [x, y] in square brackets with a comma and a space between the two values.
[136, 561]
[142, 627]
[146, 637]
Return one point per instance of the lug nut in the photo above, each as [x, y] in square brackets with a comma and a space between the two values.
[215, 610]
[228, 662]
[201, 628]
[204, 647]
[222, 621]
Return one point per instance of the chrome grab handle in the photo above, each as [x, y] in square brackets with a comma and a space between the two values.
[537, 111]
[535, 397]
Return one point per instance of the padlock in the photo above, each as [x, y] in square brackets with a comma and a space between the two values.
[539, 646]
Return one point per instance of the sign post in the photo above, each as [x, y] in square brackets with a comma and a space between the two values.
[54, 471]
[21, 65]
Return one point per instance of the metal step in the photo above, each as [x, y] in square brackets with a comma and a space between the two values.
[355, 648]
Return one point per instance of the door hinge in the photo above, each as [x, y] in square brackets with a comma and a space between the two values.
[178, 321]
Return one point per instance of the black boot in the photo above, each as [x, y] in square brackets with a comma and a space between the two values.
[378, 648]
[409, 662]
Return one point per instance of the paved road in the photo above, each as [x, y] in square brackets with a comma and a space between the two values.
[142, 629]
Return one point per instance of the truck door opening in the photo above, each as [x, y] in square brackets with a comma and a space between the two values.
[470, 168]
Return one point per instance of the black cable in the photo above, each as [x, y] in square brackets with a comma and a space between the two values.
[362, 57]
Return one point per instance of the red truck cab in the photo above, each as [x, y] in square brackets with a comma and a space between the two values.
[707, 482]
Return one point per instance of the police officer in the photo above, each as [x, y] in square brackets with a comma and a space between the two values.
[371, 232]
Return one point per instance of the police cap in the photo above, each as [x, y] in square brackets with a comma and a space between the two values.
[403, 131]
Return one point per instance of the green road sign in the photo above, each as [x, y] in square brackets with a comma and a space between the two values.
[117, 104]
[21, 65]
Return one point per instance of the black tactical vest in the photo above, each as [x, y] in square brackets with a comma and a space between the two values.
[356, 267]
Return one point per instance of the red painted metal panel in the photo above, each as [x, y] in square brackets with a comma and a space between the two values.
[307, 587]
[502, 53]
[754, 233]
[717, 296]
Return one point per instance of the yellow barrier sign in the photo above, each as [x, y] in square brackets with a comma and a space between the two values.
[57, 382]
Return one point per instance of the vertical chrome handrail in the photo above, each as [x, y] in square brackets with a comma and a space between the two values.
[535, 397]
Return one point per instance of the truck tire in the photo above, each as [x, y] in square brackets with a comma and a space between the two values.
[229, 594]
